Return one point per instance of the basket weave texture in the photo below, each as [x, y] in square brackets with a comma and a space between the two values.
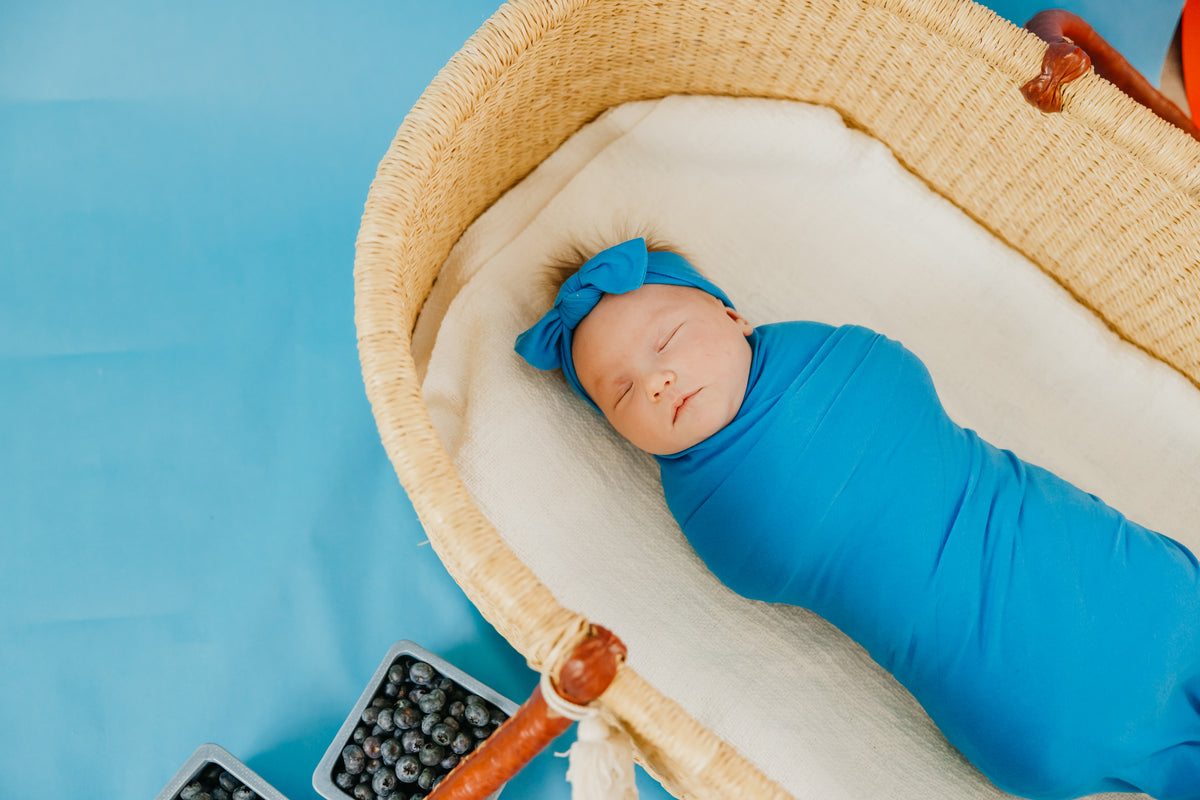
[1105, 197]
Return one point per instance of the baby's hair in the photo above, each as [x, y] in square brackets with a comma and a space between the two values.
[567, 260]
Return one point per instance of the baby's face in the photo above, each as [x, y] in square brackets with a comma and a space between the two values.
[667, 365]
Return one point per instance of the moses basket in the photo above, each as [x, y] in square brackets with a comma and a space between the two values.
[1104, 197]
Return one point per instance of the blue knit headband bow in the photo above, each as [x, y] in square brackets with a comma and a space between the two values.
[617, 270]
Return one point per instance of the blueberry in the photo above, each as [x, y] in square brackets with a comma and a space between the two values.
[220, 793]
[412, 740]
[417, 728]
[384, 782]
[408, 767]
[370, 746]
[433, 701]
[228, 782]
[431, 754]
[421, 673]
[405, 718]
[441, 734]
[190, 791]
[245, 793]
[477, 714]
[203, 796]
[389, 751]
[354, 758]
[462, 743]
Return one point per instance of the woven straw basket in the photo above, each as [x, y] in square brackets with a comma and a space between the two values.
[1105, 197]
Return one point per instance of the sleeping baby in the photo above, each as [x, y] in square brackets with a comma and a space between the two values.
[1054, 642]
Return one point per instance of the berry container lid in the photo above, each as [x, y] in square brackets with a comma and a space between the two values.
[323, 780]
[215, 754]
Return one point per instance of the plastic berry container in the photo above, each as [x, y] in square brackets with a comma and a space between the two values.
[206, 764]
[381, 693]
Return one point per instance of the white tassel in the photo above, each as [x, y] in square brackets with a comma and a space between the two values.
[601, 759]
[601, 762]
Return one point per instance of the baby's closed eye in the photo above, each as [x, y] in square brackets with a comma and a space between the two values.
[622, 393]
[667, 340]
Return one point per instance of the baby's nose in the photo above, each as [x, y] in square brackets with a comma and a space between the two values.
[659, 383]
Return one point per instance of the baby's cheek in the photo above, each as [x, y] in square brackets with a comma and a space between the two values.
[631, 425]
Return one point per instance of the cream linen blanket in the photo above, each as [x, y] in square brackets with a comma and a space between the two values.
[796, 216]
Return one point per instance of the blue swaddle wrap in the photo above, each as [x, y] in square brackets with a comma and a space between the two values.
[1054, 642]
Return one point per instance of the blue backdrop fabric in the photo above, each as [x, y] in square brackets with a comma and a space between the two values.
[203, 540]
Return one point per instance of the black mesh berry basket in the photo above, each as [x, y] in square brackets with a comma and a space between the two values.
[416, 719]
[212, 773]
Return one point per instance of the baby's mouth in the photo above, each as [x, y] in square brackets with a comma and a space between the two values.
[681, 403]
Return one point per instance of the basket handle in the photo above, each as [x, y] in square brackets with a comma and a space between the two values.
[583, 677]
[1073, 48]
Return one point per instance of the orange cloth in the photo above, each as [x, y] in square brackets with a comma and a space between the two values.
[1190, 26]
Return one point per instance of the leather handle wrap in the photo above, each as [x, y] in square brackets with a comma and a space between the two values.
[1073, 48]
[583, 677]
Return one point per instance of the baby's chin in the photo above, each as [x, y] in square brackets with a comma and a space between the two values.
[683, 438]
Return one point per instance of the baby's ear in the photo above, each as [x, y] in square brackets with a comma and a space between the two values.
[743, 324]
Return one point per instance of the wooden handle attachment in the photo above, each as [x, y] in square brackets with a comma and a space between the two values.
[584, 676]
[1074, 47]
